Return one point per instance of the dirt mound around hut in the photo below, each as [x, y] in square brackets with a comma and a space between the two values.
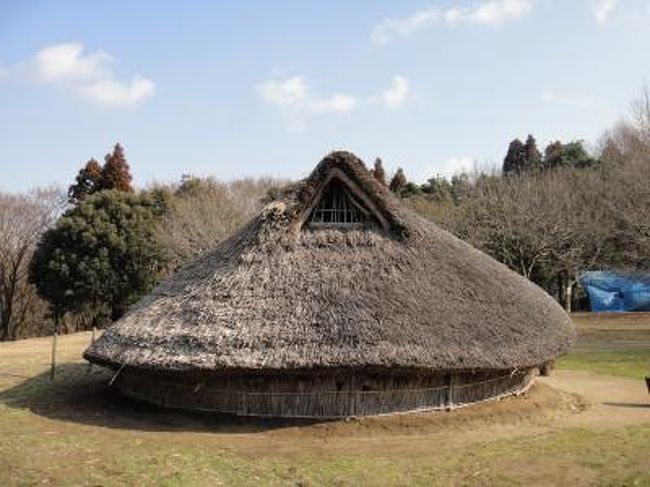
[539, 405]
[83, 397]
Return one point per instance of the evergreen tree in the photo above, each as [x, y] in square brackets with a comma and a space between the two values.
[116, 173]
[532, 156]
[514, 161]
[398, 182]
[438, 188]
[552, 154]
[571, 154]
[410, 189]
[86, 182]
[378, 172]
[102, 255]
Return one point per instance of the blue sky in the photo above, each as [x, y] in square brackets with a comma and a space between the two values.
[235, 89]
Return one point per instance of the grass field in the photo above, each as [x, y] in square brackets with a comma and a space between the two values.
[631, 363]
[582, 426]
[615, 344]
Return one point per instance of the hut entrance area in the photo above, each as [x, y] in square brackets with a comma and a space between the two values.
[327, 394]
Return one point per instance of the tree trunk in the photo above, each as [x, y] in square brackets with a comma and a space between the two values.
[116, 313]
[565, 284]
[568, 296]
[4, 331]
[7, 310]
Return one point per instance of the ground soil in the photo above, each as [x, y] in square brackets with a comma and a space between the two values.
[557, 400]
[500, 437]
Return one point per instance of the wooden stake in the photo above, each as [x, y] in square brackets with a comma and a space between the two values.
[92, 341]
[54, 333]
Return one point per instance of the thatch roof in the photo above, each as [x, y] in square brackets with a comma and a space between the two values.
[278, 296]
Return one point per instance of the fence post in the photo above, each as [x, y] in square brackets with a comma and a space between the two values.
[92, 341]
[450, 395]
[55, 329]
[243, 406]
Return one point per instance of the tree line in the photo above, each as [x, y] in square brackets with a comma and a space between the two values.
[552, 215]
[80, 258]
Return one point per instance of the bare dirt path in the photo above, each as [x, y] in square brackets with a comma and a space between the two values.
[566, 399]
[613, 401]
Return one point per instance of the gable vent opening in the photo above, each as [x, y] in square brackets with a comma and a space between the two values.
[337, 207]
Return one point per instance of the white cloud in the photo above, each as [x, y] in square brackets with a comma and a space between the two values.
[450, 167]
[388, 28]
[397, 94]
[297, 102]
[489, 13]
[116, 93]
[67, 63]
[581, 102]
[336, 103]
[485, 13]
[289, 92]
[88, 75]
[456, 165]
[602, 9]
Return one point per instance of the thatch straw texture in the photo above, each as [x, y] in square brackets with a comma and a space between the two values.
[278, 296]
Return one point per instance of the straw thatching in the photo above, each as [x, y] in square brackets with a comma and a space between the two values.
[396, 296]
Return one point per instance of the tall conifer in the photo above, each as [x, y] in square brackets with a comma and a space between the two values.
[378, 172]
[86, 182]
[116, 173]
[398, 182]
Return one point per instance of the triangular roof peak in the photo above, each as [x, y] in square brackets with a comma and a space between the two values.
[348, 172]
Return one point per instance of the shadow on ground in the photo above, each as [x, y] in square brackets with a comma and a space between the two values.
[82, 395]
[627, 404]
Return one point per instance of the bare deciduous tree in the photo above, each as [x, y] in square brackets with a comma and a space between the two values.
[641, 113]
[204, 211]
[23, 218]
[548, 226]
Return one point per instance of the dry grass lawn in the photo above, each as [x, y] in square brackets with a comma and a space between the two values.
[582, 426]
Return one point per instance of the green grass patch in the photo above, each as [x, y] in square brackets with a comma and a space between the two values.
[37, 451]
[630, 363]
[71, 433]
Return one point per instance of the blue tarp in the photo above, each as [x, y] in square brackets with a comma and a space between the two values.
[617, 291]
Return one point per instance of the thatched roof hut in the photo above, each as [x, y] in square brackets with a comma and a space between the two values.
[335, 301]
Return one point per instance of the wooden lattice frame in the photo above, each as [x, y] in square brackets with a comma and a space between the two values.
[361, 201]
[338, 208]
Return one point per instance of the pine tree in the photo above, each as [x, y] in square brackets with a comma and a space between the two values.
[571, 154]
[378, 172]
[116, 173]
[398, 182]
[102, 254]
[86, 182]
[514, 160]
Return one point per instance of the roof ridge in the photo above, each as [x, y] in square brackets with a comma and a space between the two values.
[296, 199]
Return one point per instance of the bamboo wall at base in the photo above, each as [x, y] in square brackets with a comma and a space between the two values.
[458, 391]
